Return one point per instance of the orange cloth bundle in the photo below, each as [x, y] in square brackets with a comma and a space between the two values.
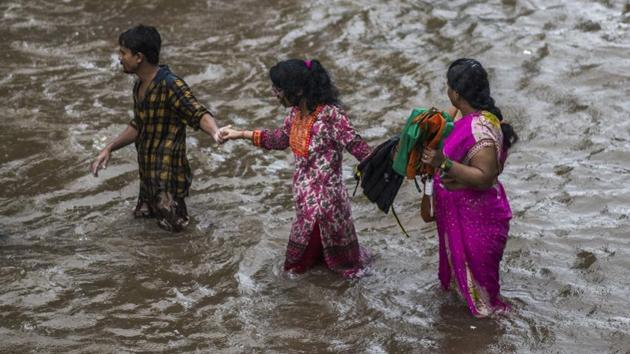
[432, 127]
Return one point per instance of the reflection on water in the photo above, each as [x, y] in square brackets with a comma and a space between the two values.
[78, 274]
[465, 334]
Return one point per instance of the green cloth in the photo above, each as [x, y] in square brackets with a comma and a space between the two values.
[409, 137]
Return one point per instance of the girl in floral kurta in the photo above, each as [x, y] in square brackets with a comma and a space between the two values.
[471, 208]
[317, 131]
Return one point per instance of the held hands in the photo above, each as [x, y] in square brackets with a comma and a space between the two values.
[228, 133]
[218, 138]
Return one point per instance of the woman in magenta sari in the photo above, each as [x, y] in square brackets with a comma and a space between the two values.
[317, 130]
[471, 208]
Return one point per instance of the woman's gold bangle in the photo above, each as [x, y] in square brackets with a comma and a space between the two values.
[446, 164]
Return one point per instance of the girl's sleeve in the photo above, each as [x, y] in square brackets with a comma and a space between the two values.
[344, 133]
[276, 139]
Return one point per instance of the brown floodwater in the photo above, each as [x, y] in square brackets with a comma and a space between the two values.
[79, 275]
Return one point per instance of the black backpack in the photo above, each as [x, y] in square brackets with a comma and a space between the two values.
[379, 181]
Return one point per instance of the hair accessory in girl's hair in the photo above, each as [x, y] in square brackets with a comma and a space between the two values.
[472, 63]
[308, 64]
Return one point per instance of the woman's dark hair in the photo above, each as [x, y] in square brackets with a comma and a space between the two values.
[142, 39]
[304, 79]
[470, 80]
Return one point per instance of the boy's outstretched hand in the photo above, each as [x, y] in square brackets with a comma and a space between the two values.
[100, 162]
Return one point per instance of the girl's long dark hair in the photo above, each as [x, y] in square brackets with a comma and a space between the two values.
[470, 80]
[304, 79]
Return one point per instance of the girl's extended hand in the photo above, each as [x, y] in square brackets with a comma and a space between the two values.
[227, 133]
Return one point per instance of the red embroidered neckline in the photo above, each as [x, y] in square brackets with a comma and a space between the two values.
[300, 137]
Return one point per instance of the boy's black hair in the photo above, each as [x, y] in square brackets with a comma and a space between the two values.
[142, 39]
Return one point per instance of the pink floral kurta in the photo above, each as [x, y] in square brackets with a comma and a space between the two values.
[319, 193]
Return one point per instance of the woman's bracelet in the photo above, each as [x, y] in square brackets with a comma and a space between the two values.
[446, 164]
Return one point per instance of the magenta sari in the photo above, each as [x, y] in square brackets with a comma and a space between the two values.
[473, 224]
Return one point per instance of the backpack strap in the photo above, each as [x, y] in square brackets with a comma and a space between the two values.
[415, 181]
[357, 176]
[398, 221]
